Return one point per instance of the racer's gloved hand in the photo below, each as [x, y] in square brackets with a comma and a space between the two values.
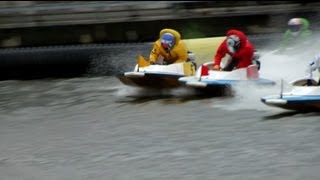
[216, 67]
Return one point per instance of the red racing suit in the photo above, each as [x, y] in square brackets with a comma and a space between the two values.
[244, 55]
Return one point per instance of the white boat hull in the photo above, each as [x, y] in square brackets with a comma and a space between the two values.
[300, 98]
[221, 82]
[157, 76]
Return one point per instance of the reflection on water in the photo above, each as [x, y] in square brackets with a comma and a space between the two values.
[166, 96]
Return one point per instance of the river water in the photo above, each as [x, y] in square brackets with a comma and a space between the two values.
[97, 128]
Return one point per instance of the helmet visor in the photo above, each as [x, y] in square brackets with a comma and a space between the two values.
[294, 28]
[167, 41]
[166, 44]
[233, 43]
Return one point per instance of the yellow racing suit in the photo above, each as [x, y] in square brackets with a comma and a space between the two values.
[177, 54]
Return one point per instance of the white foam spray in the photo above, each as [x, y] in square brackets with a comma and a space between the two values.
[273, 67]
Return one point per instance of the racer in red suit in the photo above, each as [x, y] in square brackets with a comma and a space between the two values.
[238, 47]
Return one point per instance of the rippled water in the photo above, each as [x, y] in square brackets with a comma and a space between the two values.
[98, 128]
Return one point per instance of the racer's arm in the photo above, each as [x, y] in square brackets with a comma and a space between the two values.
[221, 52]
[315, 63]
[154, 54]
[284, 42]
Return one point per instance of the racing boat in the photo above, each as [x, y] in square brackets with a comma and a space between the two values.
[304, 96]
[166, 76]
[158, 76]
[219, 83]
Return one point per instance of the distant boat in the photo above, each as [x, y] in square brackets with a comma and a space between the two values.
[304, 96]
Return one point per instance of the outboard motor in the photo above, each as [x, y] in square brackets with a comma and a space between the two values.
[192, 58]
[255, 59]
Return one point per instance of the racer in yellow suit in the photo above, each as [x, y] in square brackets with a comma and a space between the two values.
[169, 47]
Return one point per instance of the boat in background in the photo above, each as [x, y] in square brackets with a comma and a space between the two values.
[304, 96]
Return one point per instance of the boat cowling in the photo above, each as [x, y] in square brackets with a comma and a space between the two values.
[252, 72]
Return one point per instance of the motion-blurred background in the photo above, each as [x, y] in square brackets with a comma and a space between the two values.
[64, 36]
[39, 23]
[96, 128]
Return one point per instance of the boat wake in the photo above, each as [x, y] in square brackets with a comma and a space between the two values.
[281, 69]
